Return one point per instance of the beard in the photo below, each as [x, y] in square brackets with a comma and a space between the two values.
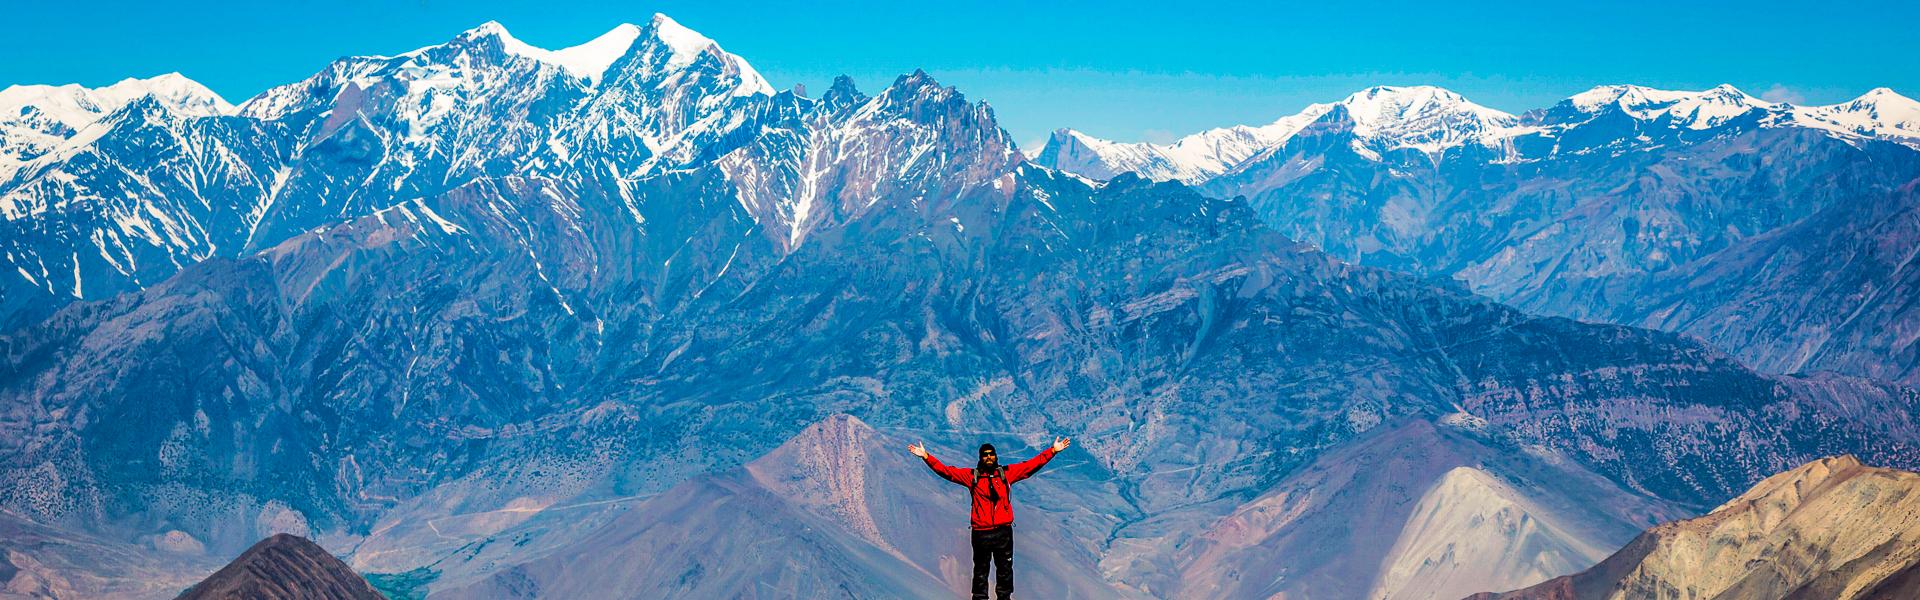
[987, 465]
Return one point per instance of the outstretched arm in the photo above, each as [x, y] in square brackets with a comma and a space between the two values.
[1026, 468]
[953, 474]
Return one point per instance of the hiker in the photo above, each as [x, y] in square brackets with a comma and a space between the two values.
[992, 514]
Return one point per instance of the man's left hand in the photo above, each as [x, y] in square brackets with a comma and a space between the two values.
[1061, 444]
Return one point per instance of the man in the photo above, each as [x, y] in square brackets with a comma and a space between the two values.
[992, 514]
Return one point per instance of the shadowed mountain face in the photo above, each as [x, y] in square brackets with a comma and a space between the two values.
[1830, 529]
[284, 567]
[488, 371]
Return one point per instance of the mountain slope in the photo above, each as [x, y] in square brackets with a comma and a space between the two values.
[1401, 513]
[1831, 292]
[283, 567]
[1832, 528]
[44, 562]
[1472, 530]
[837, 510]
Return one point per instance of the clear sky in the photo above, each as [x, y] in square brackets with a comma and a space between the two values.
[1124, 70]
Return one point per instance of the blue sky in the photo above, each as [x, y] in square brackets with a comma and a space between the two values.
[1123, 70]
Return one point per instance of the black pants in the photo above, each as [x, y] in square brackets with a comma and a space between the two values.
[997, 545]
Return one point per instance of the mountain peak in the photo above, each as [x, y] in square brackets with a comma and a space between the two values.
[917, 79]
[1404, 91]
[488, 29]
[685, 43]
[1880, 94]
[843, 93]
[1880, 113]
[917, 87]
[1422, 117]
[1725, 92]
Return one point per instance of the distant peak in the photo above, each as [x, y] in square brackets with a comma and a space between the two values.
[1430, 91]
[1393, 103]
[843, 84]
[917, 78]
[487, 29]
[1728, 92]
[843, 93]
[1881, 95]
[917, 84]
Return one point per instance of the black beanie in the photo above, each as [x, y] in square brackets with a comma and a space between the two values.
[985, 447]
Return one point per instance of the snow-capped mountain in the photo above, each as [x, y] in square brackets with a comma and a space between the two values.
[1425, 119]
[154, 185]
[1191, 159]
[1432, 119]
[1879, 113]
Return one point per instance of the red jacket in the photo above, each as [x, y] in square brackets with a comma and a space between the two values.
[991, 503]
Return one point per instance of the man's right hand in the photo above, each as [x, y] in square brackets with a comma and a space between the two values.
[919, 449]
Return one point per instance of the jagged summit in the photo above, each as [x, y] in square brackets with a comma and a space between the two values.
[649, 53]
[1381, 119]
[843, 93]
[590, 60]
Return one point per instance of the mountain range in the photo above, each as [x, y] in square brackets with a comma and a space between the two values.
[1778, 233]
[489, 320]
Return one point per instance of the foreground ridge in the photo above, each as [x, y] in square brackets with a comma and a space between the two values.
[284, 567]
[1832, 528]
